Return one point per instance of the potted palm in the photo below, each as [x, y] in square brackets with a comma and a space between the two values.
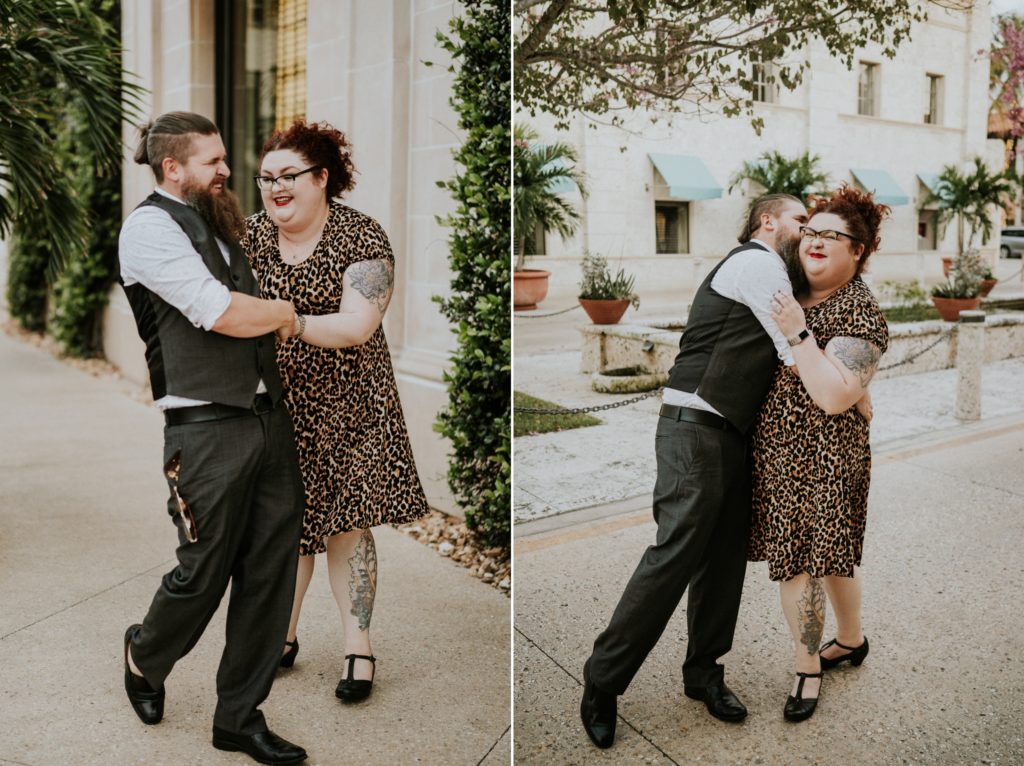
[603, 295]
[777, 174]
[968, 198]
[961, 290]
[538, 170]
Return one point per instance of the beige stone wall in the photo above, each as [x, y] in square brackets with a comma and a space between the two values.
[366, 76]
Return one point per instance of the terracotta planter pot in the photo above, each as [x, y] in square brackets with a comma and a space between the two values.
[950, 308]
[604, 312]
[529, 287]
[986, 287]
[947, 264]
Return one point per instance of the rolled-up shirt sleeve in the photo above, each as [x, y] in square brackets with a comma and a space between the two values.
[752, 277]
[156, 253]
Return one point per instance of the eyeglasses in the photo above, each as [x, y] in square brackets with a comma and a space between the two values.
[285, 182]
[188, 522]
[829, 234]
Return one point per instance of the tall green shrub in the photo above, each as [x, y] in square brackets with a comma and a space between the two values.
[477, 420]
[27, 287]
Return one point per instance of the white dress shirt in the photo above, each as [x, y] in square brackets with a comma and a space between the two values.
[750, 277]
[155, 252]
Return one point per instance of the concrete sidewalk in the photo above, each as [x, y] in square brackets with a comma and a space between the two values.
[944, 683]
[84, 539]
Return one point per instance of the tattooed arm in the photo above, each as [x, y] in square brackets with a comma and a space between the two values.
[366, 291]
[838, 377]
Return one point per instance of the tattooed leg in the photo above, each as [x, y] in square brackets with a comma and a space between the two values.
[803, 603]
[352, 565]
[844, 593]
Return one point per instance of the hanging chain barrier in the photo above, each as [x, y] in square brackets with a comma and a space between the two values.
[545, 316]
[583, 410]
[945, 335]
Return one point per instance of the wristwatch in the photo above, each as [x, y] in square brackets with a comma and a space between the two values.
[799, 338]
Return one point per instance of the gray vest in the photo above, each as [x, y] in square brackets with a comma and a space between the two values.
[185, 360]
[725, 355]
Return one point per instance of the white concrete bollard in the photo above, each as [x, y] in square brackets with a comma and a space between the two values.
[970, 354]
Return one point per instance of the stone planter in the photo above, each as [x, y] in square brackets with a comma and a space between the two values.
[950, 308]
[604, 312]
[986, 287]
[529, 287]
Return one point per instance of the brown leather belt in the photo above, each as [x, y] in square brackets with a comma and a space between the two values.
[179, 416]
[700, 417]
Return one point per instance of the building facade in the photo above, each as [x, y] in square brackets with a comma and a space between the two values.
[361, 65]
[660, 203]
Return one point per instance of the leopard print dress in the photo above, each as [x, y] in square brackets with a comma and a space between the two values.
[353, 445]
[812, 470]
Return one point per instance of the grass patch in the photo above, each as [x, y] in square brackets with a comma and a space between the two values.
[918, 313]
[525, 424]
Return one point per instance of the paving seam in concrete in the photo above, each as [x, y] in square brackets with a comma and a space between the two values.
[82, 601]
[5, 762]
[579, 683]
[491, 748]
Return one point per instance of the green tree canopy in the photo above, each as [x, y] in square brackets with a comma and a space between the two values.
[54, 53]
[672, 55]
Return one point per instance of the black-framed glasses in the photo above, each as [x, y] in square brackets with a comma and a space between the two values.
[830, 235]
[285, 182]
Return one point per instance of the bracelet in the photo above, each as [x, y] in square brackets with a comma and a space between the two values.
[302, 325]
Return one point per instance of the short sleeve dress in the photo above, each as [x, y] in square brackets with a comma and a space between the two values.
[812, 470]
[352, 441]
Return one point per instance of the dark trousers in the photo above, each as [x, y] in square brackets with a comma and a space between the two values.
[241, 478]
[702, 508]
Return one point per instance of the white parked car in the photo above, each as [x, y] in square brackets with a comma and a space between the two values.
[1011, 243]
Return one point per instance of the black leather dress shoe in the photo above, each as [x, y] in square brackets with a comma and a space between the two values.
[147, 702]
[598, 711]
[264, 746]
[719, 700]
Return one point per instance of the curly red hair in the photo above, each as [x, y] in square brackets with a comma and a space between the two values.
[863, 216]
[322, 145]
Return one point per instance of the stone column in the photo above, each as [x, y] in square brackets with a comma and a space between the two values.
[970, 354]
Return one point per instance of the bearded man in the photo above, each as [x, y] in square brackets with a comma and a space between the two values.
[236, 492]
[727, 359]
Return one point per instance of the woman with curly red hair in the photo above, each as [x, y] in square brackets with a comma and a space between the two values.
[336, 266]
[812, 459]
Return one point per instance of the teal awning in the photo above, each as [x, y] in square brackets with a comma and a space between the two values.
[561, 185]
[931, 180]
[882, 185]
[686, 176]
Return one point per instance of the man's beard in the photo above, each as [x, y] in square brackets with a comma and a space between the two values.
[222, 211]
[789, 249]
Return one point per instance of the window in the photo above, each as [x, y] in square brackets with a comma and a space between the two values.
[535, 243]
[933, 106]
[763, 87]
[672, 227]
[867, 87]
[261, 81]
[927, 229]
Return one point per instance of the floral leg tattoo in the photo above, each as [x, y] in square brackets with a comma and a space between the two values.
[363, 585]
[811, 614]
